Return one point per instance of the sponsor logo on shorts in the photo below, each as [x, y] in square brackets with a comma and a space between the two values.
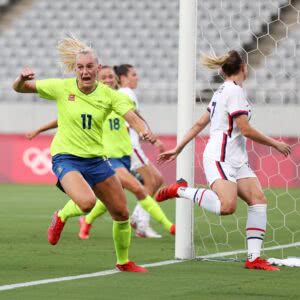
[59, 170]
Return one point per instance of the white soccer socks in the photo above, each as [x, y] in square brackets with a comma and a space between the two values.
[207, 199]
[255, 229]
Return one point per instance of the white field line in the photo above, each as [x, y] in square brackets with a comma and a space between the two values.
[229, 253]
[111, 272]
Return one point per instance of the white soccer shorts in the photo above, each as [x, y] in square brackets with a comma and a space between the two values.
[138, 158]
[221, 170]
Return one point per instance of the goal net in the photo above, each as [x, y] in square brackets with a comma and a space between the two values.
[268, 35]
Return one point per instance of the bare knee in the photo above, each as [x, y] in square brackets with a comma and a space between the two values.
[87, 204]
[120, 214]
[141, 193]
[227, 210]
[257, 198]
[228, 207]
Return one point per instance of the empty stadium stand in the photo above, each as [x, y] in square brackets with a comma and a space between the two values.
[145, 34]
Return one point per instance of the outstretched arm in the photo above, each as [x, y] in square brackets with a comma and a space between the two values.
[32, 134]
[25, 82]
[158, 143]
[192, 133]
[139, 126]
[257, 136]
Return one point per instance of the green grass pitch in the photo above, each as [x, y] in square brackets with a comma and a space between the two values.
[26, 256]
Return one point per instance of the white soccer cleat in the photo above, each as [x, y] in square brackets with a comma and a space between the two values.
[147, 232]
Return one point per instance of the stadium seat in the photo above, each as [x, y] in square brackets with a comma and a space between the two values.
[144, 34]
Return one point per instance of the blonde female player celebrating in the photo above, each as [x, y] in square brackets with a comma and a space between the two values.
[225, 157]
[77, 150]
[140, 219]
[118, 148]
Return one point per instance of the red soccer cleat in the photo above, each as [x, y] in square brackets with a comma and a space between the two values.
[170, 191]
[131, 267]
[173, 229]
[84, 229]
[260, 264]
[55, 229]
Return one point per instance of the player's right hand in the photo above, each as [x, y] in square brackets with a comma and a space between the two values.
[27, 74]
[283, 148]
[32, 134]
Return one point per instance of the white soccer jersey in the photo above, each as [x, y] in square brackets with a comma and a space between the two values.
[226, 143]
[135, 139]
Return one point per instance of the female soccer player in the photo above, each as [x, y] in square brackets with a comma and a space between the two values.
[153, 179]
[77, 149]
[118, 148]
[225, 157]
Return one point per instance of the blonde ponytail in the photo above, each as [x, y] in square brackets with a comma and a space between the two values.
[68, 50]
[214, 62]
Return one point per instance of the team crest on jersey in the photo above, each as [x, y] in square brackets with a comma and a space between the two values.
[71, 97]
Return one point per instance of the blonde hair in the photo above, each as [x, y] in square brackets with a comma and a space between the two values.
[68, 50]
[230, 63]
[214, 62]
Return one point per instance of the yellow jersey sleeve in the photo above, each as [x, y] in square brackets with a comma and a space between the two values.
[121, 103]
[49, 88]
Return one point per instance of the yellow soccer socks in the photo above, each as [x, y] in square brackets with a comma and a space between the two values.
[122, 237]
[151, 206]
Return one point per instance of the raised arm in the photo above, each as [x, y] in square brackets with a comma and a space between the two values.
[192, 133]
[139, 126]
[25, 82]
[248, 131]
[32, 134]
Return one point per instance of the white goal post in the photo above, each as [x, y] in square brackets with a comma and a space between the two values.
[184, 243]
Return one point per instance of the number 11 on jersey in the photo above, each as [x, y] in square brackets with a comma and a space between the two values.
[86, 121]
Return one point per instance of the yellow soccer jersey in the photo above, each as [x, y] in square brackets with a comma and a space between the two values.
[116, 137]
[81, 116]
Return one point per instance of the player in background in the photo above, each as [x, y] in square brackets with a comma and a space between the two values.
[77, 151]
[140, 219]
[225, 158]
[118, 148]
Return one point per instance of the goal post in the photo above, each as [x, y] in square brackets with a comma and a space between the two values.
[184, 241]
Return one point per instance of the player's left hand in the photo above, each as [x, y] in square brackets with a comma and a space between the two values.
[148, 136]
[283, 148]
[167, 156]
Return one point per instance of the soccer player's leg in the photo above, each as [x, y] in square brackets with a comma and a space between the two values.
[140, 221]
[83, 197]
[145, 200]
[140, 218]
[152, 181]
[110, 191]
[86, 222]
[221, 199]
[151, 175]
[250, 191]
